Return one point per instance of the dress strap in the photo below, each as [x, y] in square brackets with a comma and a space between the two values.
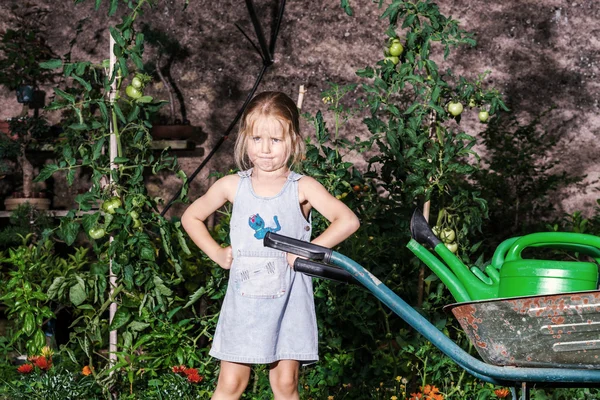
[292, 176]
[245, 174]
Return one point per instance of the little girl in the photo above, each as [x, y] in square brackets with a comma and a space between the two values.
[268, 314]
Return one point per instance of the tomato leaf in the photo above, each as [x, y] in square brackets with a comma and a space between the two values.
[121, 317]
[77, 293]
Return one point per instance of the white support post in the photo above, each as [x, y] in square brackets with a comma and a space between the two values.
[112, 339]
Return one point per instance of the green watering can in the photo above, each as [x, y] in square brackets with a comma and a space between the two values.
[509, 275]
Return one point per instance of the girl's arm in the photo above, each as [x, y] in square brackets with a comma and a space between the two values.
[343, 222]
[194, 216]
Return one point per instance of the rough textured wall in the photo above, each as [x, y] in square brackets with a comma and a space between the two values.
[541, 53]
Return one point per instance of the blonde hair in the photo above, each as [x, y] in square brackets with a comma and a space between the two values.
[279, 106]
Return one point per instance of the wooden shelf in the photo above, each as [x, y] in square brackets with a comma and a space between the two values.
[173, 144]
[156, 145]
[52, 213]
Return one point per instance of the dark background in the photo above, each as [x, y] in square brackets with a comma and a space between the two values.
[541, 54]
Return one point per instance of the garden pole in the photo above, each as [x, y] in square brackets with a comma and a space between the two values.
[112, 338]
[301, 93]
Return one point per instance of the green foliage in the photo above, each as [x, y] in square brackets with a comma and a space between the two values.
[519, 183]
[24, 47]
[168, 297]
[26, 269]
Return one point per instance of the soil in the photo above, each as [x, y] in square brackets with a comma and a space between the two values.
[541, 54]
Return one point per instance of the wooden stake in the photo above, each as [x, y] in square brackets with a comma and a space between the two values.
[301, 93]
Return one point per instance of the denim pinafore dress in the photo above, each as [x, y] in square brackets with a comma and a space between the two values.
[268, 313]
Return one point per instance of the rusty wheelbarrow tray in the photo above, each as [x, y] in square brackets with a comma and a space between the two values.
[556, 331]
[517, 371]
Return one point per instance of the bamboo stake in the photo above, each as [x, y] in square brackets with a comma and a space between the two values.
[426, 211]
[112, 339]
[301, 93]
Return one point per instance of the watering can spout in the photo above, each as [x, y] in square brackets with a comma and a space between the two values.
[462, 282]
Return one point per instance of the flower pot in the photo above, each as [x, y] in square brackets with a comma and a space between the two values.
[4, 127]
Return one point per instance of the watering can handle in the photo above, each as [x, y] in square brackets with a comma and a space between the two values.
[323, 271]
[586, 244]
[298, 247]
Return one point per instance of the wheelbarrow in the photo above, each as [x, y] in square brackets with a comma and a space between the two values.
[324, 262]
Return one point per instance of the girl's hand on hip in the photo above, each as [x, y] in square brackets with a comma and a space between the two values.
[224, 257]
[291, 258]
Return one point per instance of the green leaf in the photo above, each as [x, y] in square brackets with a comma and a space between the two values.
[195, 296]
[46, 172]
[165, 291]
[121, 317]
[77, 293]
[346, 7]
[119, 113]
[68, 230]
[145, 99]
[137, 60]
[51, 64]
[137, 326]
[64, 95]
[53, 289]
[117, 36]
[83, 82]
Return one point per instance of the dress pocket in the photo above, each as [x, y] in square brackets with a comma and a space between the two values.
[260, 277]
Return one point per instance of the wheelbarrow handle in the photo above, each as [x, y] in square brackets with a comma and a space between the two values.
[323, 271]
[298, 247]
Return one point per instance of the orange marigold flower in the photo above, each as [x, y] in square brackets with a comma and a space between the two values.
[194, 378]
[426, 389]
[25, 369]
[502, 393]
[33, 359]
[43, 363]
[178, 369]
[190, 371]
[87, 370]
[415, 396]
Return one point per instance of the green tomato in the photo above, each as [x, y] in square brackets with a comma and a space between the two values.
[137, 83]
[393, 59]
[455, 108]
[472, 102]
[396, 49]
[436, 231]
[453, 247]
[137, 223]
[110, 206]
[133, 92]
[448, 235]
[483, 115]
[97, 232]
[134, 214]
[138, 200]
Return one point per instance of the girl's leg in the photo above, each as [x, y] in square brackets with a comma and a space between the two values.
[284, 379]
[233, 379]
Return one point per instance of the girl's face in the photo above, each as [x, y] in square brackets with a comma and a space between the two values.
[267, 145]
